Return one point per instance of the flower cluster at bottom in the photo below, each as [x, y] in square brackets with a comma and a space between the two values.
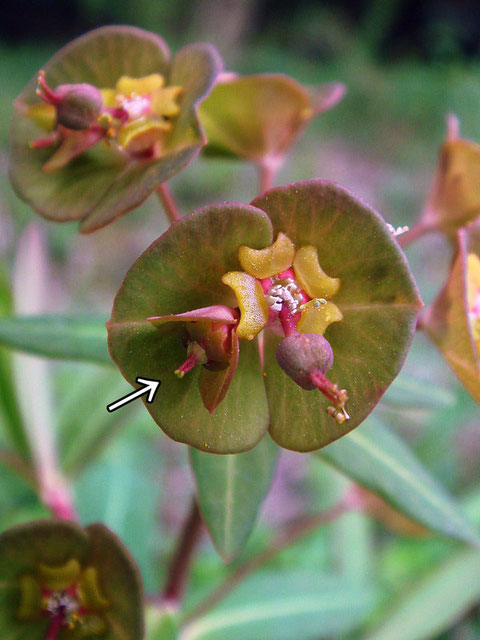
[68, 595]
[64, 582]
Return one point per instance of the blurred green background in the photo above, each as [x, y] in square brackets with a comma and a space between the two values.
[406, 65]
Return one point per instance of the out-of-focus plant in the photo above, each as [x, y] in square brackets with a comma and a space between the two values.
[292, 314]
[108, 119]
[259, 117]
[59, 580]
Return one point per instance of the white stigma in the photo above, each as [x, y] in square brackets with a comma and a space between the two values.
[284, 291]
[398, 231]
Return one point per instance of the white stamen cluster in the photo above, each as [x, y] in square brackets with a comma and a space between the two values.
[398, 231]
[135, 105]
[284, 291]
[61, 602]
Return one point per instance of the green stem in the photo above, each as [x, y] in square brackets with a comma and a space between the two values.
[292, 534]
[180, 565]
[168, 202]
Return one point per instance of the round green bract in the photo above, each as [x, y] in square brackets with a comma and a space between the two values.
[182, 271]
[259, 117]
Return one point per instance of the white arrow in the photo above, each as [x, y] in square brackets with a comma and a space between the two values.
[150, 387]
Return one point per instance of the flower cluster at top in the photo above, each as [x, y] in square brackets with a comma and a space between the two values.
[68, 595]
[135, 116]
[473, 296]
[280, 287]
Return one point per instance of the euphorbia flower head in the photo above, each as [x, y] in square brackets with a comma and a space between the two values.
[453, 320]
[62, 582]
[454, 201]
[259, 117]
[306, 260]
[106, 120]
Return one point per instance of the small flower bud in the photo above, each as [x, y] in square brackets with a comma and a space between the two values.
[79, 106]
[303, 354]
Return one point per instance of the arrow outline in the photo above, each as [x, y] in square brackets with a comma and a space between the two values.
[151, 386]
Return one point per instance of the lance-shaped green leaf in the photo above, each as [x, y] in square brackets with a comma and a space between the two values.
[259, 117]
[180, 272]
[55, 574]
[230, 492]
[9, 409]
[435, 602]
[449, 323]
[379, 460]
[285, 606]
[109, 179]
[65, 338]
[377, 297]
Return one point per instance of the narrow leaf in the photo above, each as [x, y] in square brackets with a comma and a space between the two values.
[282, 607]
[67, 338]
[379, 460]
[231, 489]
[9, 408]
[436, 602]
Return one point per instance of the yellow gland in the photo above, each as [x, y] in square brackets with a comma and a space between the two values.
[43, 115]
[89, 591]
[317, 315]
[251, 301]
[473, 294]
[311, 276]
[141, 134]
[140, 86]
[165, 102]
[92, 626]
[263, 263]
[59, 578]
[473, 279]
[30, 599]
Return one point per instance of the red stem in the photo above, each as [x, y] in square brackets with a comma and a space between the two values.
[287, 322]
[168, 202]
[266, 177]
[48, 96]
[181, 562]
[187, 366]
[325, 385]
[54, 627]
